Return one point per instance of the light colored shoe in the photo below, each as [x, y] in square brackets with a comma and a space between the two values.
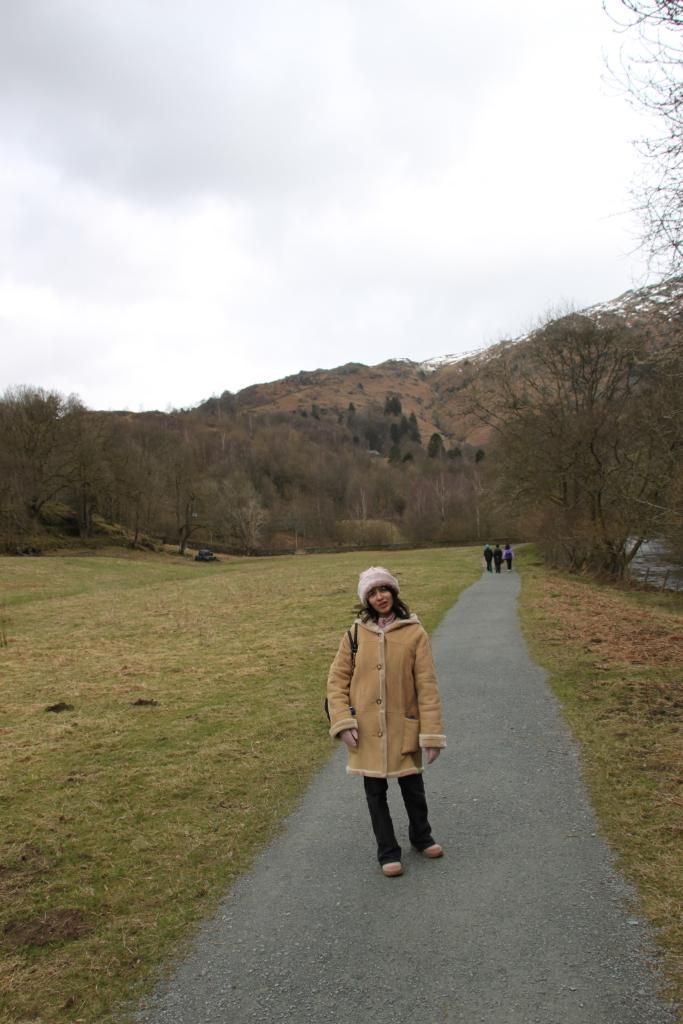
[392, 869]
[433, 851]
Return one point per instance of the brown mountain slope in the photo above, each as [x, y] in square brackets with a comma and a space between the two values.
[332, 391]
[434, 390]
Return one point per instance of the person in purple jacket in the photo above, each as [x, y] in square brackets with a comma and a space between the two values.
[508, 556]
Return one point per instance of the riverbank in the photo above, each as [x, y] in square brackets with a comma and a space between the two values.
[614, 656]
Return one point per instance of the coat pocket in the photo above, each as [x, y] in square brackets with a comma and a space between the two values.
[411, 736]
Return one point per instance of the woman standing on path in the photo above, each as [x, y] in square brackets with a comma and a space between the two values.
[507, 556]
[384, 704]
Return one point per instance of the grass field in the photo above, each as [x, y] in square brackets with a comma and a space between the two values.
[616, 663]
[193, 724]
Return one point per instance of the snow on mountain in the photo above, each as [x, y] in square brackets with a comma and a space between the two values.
[640, 302]
[436, 362]
[635, 304]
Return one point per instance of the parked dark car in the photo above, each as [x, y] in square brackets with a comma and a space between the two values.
[205, 555]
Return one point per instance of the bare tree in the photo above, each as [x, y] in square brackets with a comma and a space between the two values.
[88, 467]
[242, 517]
[652, 75]
[138, 477]
[585, 442]
[184, 475]
[35, 447]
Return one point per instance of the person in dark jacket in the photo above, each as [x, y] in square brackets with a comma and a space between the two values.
[497, 557]
[488, 557]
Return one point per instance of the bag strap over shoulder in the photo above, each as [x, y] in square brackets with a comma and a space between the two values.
[353, 643]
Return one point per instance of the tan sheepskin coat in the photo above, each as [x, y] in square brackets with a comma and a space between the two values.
[392, 698]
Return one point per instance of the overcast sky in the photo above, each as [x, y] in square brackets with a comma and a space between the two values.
[197, 196]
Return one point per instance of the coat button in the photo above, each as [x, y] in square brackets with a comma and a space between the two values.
[380, 733]
[379, 666]
[378, 701]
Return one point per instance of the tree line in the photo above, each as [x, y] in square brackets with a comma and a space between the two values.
[236, 479]
[584, 457]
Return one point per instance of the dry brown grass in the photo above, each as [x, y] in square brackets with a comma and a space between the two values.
[616, 663]
[193, 724]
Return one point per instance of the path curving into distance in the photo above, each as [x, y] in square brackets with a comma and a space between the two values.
[524, 921]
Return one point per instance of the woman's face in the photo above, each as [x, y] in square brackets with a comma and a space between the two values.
[381, 599]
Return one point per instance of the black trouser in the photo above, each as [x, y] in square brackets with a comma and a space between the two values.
[419, 831]
[508, 562]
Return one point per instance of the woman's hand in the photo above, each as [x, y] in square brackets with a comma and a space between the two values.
[431, 754]
[350, 737]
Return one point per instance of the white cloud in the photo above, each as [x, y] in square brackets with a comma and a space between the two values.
[194, 197]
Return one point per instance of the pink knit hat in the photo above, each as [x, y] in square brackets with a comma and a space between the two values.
[375, 576]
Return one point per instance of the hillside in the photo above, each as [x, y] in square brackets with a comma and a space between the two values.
[394, 453]
[431, 389]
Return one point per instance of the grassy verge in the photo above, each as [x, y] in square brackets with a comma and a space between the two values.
[616, 659]
[191, 720]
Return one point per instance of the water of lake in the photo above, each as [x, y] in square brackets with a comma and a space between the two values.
[655, 564]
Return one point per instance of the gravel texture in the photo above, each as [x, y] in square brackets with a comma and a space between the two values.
[524, 921]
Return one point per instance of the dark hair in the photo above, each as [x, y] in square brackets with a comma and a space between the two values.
[398, 607]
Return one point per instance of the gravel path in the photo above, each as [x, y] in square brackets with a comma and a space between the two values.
[524, 921]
